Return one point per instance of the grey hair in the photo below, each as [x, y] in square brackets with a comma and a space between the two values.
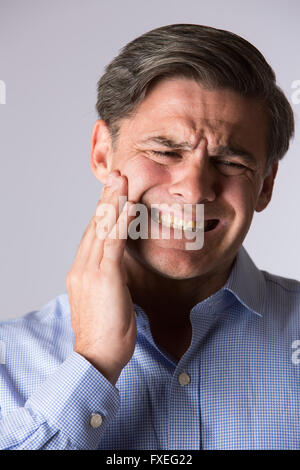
[213, 57]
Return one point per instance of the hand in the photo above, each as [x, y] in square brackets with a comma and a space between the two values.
[102, 314]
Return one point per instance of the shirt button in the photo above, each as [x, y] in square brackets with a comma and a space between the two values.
[96, 420]
[184, 378]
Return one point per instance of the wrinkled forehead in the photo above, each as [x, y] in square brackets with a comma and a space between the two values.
[183, 110]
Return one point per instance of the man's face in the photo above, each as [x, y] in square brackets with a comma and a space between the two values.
[219, 161]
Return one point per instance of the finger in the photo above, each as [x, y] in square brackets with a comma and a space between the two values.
[114, 244]
[85, 243]
[107, 216]
[120, 234]
[101, 231]
[109, 194]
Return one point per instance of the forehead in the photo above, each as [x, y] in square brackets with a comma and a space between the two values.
[181, 109]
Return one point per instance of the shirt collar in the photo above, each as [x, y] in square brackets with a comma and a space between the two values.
[247, 283]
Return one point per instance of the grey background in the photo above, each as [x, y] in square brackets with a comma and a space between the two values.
[51, 56]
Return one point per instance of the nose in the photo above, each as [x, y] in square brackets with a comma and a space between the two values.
[195, 181]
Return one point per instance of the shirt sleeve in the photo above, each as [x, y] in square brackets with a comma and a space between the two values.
[58, 415]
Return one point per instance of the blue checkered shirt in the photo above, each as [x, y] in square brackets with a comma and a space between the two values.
[236, 387]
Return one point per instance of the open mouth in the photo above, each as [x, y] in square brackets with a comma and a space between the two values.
[210, 224]
[172, 221]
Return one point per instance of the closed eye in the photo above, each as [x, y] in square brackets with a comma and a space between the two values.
[225, 162]
[219, 162]
[228, 168]
[165, 154]
[225, 167]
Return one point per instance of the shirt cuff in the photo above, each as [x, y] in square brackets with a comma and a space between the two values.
[74, 399]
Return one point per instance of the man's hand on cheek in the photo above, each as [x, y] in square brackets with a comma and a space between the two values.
[103, 318]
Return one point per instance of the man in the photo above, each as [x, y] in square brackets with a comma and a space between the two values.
[157, 346]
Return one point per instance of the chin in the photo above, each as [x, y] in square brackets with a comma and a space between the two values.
[170, 262]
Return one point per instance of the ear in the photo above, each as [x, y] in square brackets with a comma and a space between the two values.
[266, 189]
[101, 151]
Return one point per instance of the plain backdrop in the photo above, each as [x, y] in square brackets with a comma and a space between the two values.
[52, 52]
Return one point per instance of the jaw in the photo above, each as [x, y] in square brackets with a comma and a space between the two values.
[162, 280]
[171, 262]
[169, 258]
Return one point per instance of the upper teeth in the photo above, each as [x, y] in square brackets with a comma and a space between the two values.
[169, 220]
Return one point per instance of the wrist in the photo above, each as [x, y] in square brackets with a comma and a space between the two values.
[111, 374]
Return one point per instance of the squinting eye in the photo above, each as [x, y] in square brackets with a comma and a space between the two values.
[230, 168]
[236, 165]
[165, 154]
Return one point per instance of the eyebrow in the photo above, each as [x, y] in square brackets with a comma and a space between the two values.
[222, 150]
[167, 142]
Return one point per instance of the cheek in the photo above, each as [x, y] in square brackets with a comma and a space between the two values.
[142, 174]
[240, 196]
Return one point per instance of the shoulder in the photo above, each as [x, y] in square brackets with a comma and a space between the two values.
[39, 333]
[282, 294]
[280, 282]
[282, 285]
[32, 347]
[56, 309]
